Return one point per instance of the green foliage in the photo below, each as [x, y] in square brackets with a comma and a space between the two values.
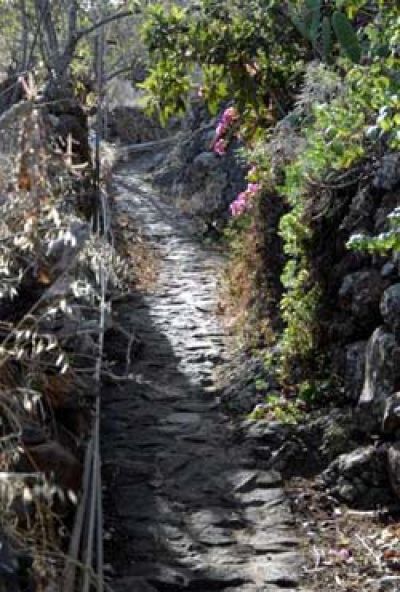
[278, 408]
[385, 242]
[313, 392]
[326, 38]
[237, 49]
[316, 23]
[346, 36]
[167, 87]
[348, 111]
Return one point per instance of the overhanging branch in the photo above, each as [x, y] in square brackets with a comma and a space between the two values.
[103, 22]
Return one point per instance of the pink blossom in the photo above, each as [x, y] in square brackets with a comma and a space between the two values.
[253, 188]
[239, 206]
[229, 115]
[221, 129]
[220, 147]
[243, 200]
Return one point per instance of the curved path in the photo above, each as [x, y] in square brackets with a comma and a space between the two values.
[186, 507]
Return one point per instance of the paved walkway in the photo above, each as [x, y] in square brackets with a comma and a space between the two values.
[186, 507]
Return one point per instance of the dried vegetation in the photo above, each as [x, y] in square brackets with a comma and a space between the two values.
[57, 277]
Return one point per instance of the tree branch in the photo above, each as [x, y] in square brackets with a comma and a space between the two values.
[102, 23]
[119, 71]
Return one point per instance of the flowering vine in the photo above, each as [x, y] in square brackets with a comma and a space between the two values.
[244, 200]
[223, 134]
[229, 117]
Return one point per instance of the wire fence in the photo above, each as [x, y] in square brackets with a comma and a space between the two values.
[86, 547]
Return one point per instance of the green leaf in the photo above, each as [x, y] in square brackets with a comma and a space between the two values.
[300, 24]
[314, 6]
[346, 36]
[326, 35]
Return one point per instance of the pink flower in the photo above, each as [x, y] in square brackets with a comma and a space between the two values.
[229, 115]
[221, 129]
[220, 147]
[253, 188]
[240, 205]
[243, 201]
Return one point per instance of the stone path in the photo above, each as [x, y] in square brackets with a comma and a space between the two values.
[186, 507]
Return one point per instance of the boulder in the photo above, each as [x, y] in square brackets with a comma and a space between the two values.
[361, 210]
[201, 183]
[354, 370]
[393, 459]
[390, 309]
[382, 372]
[389, 270]
[360, 295]
[388, 203]
[206, 161]
[359, 478]
[388, 174]
[132, 126]
[391, 416]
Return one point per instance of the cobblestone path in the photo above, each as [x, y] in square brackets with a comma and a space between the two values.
[186, 506]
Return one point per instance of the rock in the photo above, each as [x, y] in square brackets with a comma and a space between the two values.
[389, 270]
[241, 394]
[360, 295]
[33, 434]
[361, 210]
[391, 417]
[206, 161]
[132, 126]
[9, 566]
[393, 458]
[53, 459]
[387, 584]
[266, 432]
[359, 478]
[203, 184]
[388, 175]
[382, 372]
[390, 309]
[354, 370]
[388, 203]
[338, 437]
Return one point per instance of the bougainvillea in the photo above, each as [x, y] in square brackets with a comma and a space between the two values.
[225, 130]
[245, 199]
